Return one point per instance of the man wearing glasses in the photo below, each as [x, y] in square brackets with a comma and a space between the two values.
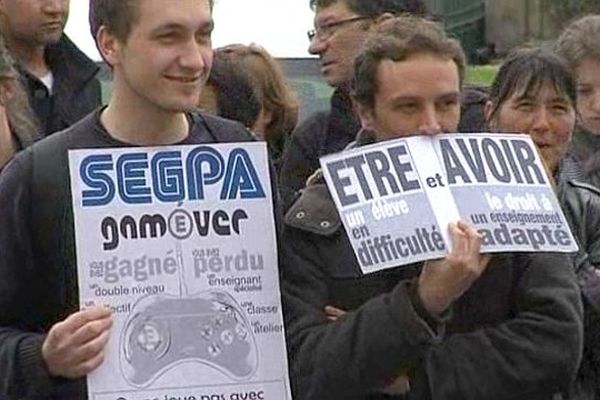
[341, 26]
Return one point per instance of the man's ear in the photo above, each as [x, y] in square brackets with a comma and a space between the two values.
[366, 116]
[108, 46]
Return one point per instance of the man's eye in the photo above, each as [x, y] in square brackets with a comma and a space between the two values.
[449, 103]
[405, 107]
[203, 37]
[167, 37]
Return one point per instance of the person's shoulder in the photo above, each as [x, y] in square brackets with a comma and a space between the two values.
[222, 129]
[580, 191]
[313, 124]
[53, 148]
[314, 210]
[583, 187]
[65, 48]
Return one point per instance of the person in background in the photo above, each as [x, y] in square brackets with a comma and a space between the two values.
[236, 67]
[59, 79]
[17, 123]
[341, 27]
[578, 45]
[468, 326]
[535, 93]
[279, 106]
[229, 92]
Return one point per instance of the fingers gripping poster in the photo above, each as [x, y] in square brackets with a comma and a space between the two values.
[179, 242]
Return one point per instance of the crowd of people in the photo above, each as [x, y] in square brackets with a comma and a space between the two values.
[468, 326]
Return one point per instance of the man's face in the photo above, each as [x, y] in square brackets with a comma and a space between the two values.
[165, 61]
[337, 45]
[417, 96]
[34, 22]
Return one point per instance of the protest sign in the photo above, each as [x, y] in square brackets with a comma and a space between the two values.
[396, 198]
[180, 243]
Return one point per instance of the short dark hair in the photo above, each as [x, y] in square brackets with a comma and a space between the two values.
[374, 8]
[526, 71]
[397, 39]
[117, 15]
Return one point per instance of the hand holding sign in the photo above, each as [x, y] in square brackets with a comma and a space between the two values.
[75, 346]
[443, 281]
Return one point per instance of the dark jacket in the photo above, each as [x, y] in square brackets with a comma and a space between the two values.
[584, 147]
[329, 132]
[320, 134]
[75, 93]
[515, 334]
[38, 276]
[581, 205]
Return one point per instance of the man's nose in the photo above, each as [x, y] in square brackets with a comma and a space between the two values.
[430, 122]
[317, 45]
[194, 56]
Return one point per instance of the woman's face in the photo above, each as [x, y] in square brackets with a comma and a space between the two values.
[588, 94]
[547, 116]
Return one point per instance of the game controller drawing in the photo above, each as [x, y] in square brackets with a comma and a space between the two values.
[164, 331]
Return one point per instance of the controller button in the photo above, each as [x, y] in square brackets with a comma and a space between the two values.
[214, 350]
[206, 332]
[149, 338]
[227, 337]
[241, 331]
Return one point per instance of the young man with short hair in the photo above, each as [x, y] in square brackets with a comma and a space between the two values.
[60, 79]
[160, 53]
[468, 326]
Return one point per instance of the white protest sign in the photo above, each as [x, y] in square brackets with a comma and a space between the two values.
[396, 198]
[180, 243]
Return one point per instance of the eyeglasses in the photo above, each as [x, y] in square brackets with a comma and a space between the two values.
[325, 31]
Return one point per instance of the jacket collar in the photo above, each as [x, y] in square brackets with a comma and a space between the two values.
[68, 64]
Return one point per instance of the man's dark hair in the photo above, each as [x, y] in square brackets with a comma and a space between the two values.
[117, 15]
[397, 39]
[525, 71]
[374, 8]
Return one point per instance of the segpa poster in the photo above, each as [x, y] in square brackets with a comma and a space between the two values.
[180, 243]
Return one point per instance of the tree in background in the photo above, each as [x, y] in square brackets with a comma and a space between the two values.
[565, 11]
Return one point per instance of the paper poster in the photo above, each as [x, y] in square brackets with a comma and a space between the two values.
[396, 198]
[180, 243]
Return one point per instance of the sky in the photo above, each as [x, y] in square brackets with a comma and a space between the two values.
[236, 21]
